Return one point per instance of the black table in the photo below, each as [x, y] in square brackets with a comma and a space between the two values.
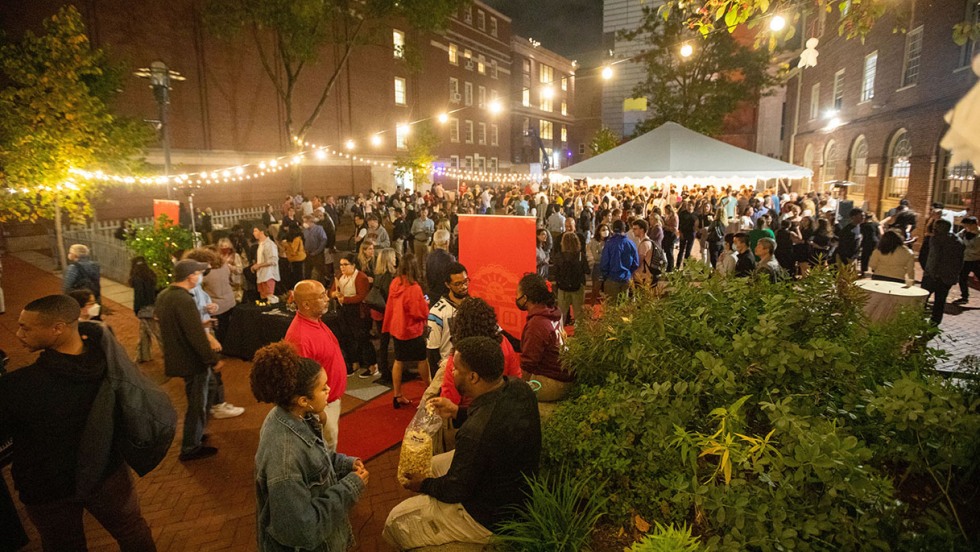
[252, 327]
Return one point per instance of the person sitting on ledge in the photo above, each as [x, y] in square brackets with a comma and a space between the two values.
[477, 486]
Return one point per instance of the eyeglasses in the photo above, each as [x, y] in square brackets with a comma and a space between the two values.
[459, 283]
[346, 264]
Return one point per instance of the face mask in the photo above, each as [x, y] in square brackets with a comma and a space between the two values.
[94, 310]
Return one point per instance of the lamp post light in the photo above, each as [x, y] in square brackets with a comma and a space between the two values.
[160, 77]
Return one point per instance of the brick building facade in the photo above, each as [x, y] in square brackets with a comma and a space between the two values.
[872, 112]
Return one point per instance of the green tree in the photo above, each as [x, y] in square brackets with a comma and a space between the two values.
[55, 117]
[700, 90]
[158, 243]
[603, 140]
[418, 160]
[290, 37]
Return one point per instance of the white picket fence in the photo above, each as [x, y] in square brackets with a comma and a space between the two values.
[221, 219]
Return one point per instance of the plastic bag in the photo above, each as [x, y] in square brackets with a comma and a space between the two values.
[416, 453]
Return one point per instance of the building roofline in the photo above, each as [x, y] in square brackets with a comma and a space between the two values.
[489, 9]
[520, 45]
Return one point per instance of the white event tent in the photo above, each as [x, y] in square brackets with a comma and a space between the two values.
[673, 154]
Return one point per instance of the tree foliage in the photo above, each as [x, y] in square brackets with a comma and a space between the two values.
[604, 140]
[54, 116]
[291, 37]
[700, 90]
[158, 244]
[418, 160]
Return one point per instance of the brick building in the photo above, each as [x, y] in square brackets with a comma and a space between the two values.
[872, 112]
[541, 105]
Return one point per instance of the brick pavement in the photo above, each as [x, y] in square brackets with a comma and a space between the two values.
[209, 505]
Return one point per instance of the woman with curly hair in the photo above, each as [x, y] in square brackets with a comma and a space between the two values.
[304, 491]
[542, 339]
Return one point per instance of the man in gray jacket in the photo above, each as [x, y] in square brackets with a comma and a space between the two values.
[970, 237]
[187, 353]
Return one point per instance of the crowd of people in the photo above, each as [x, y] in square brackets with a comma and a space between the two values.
[402, 299]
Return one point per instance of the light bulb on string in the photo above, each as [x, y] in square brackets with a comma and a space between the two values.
[607, 73]
[443, 118]
[777, 23]
[349, 144]
[687, 50]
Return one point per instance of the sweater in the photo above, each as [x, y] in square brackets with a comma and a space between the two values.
[541, 342]
[899, 264]
[406, 310]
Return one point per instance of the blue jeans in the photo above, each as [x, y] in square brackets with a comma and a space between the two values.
[196, 388]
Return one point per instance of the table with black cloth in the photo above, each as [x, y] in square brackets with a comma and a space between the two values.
[252, 327]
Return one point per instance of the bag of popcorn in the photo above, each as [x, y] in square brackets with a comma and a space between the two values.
[416, 454]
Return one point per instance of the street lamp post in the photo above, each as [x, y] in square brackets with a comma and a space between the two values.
[160, 77]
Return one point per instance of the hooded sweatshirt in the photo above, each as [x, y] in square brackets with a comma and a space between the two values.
[406, 310]
[541, 343]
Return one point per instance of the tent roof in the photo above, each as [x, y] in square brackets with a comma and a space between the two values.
[672, 152]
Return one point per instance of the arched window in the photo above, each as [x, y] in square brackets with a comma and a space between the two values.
[955, 189]
[859, 165]
[808, 163]
[899, 166]
[833, 166]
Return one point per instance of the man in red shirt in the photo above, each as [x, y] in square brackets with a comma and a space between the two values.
[314, 340]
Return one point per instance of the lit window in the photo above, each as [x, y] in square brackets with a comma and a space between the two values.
[564, 83]
[815, 101]
[481, 20]
[899, 166]
[454, 54]
[526, 97]
[493, 26]
[547, 130]
[868, 79]
[469, 132]
[468, 93]
[527, 66]
[454, 130]
[493, 135]
[454, 161]
[956, 188]
[547, 74]
[481, 97]
[564, 108]
[454, 96]
[398, 40]
[468, 56]
[400, 91]
[401, 137]
[839, 90]
[481, 64]
[546, 102]
[913, 56]
[564, 134]
[859, 167]
[481, 134]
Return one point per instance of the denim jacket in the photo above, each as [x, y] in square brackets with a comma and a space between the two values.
[303, 503]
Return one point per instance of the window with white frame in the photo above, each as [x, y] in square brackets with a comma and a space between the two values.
[494, 133]
[564, 108]
[481, 134]
[454, 161]
[492, 164]
[564, 133]
[493, 26]
[468, 93]
[468, 59]
[546, 74]
[833, 163]
[493, 68]
[913, 57]
[547, 101]
[955, 189]
[401, 91]
[839, 90]
[480, 162]
[454, 96]
[398, 42]
[468, 14]
[481, 20]
[899, 166]
[815, 101]
[481, 97]
[469, 132]
[546, 130]
[859, 166]
[454, 54]
[581, 149]
[481, 64]
[401, 137]
[564, 84]
[868, 78]
[468, 163]
[454, 130]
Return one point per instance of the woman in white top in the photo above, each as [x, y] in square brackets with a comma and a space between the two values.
[893, 261]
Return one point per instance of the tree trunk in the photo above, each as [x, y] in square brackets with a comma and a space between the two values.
[296, 172]
[59, 235]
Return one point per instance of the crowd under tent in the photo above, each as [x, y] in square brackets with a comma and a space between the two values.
[673, 154]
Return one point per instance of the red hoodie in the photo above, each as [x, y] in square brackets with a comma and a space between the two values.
[541, 342]
[406, 310]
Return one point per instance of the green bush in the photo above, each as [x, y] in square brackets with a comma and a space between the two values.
[769, 416]
[559, 516]
[158, 244]
[668, 539]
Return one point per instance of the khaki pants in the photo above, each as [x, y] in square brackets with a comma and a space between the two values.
[421, 250]
[551, 390]
[424, 521]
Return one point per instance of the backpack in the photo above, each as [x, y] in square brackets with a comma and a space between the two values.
[656, 260]
[716, 233]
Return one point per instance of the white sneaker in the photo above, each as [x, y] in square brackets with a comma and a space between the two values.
[226, 410]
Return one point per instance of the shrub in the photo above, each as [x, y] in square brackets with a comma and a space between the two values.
[158, 244]
[668, 539]
[769, 416]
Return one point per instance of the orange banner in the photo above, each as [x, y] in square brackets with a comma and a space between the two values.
[167, 207]
[497, 251]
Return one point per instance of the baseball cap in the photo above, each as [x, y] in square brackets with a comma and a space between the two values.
[186, 267]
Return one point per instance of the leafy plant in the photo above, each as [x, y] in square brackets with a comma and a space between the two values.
[159, 244]
[559, 516]
[667, 538]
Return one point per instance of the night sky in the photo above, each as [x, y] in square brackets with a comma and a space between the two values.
[573, 28]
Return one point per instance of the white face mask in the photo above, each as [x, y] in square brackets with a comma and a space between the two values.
[94, 310]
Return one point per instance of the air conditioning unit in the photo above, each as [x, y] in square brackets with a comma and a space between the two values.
[455, 97]
[469, 64]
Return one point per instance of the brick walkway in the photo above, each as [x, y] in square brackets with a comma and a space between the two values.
[210, 504]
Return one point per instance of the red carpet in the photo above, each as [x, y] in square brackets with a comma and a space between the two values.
[376, 426]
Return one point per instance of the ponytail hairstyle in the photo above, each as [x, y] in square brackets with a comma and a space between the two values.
[537, 290]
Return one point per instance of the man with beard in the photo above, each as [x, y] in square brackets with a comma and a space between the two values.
[438, 344]
[478, 485]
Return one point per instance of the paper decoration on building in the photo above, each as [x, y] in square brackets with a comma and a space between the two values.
[808, 58]
[963, 137]
[635, 104]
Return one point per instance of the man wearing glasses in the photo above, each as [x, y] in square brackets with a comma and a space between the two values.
[438, 345]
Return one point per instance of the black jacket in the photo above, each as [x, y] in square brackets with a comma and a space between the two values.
[186, 350]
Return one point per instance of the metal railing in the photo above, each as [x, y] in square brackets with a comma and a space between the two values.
[113, 255]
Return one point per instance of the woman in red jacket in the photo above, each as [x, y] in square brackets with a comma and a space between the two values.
[543, 339]
[349, 290]
[406, 312]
